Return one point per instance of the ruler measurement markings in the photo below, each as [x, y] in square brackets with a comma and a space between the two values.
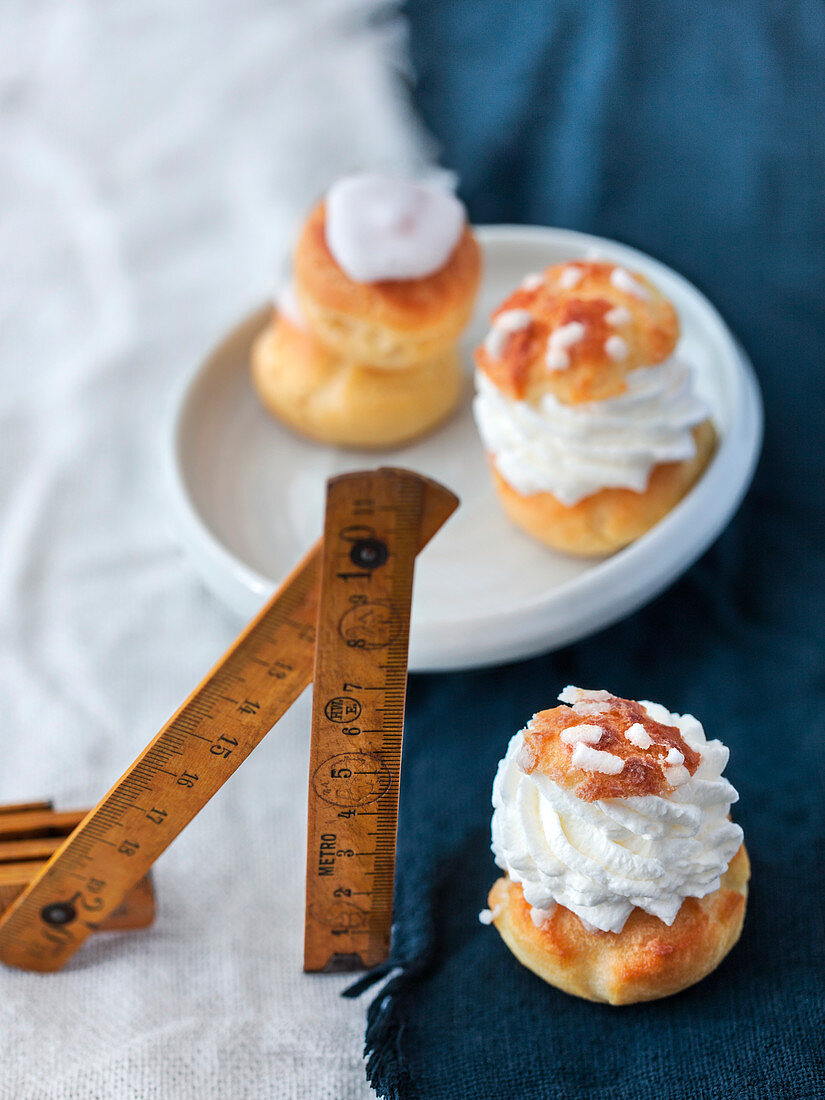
[21, 931]
[391, 585]
[284, 633]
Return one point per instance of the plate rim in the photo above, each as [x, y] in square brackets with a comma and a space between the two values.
[526, 627]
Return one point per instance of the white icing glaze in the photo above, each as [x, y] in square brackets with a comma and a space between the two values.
[381, 227]
[621, 278]
[287, 304]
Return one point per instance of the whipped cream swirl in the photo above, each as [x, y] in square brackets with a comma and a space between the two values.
[600, 859]
[573, 451]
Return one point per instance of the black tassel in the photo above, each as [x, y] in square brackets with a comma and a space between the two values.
[387, 1070]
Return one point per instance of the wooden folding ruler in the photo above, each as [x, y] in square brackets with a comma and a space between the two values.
[353, 591]
[30, 834]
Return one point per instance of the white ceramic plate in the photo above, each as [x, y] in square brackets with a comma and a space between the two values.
[247, 494]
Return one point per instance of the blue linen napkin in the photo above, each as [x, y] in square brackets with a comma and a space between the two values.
[694, 132]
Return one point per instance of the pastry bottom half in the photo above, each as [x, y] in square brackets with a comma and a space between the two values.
[337, 401]
[612, 518]
[643, 962]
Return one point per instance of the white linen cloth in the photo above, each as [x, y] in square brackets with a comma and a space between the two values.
[154, 160]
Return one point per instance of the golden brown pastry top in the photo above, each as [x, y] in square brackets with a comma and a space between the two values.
[645, 770]
[400, 303]
[585, 293]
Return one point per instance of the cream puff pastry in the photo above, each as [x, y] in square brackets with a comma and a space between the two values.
[367, 299]
[333, 400]
[591, 424]
[362, 352]
[625, 879]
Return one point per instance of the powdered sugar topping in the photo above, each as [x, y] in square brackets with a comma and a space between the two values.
[676, 775]
[559, 341]
[619, 315]
[526, 759]
[621, 278]
[616, 348]
[637, 735]
[487, 916]
[594, 760]
[584, 732]
[503, 326]
[532, 281]
[570, 277]
[573, 694]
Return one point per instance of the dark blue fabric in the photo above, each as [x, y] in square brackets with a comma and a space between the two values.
[695, 132]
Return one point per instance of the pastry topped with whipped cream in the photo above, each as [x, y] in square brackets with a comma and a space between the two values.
[583, 327]
[589, 417]
[362, 349]
[626, 880]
